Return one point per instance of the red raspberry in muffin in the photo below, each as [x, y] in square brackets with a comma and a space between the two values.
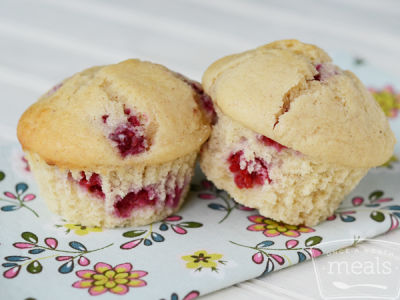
[247, 173]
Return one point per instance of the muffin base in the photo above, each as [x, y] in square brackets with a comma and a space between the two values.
[300, 191]
[67, 198]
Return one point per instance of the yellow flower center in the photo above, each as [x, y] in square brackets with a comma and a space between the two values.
[99, 279]
[281, 228]
[110, 284]
[110, 274]
[122, 275]
[110, 279]
[270, 222]
[121, 280]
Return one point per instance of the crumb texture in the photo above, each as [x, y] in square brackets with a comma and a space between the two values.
[280, 182]
[124, 196]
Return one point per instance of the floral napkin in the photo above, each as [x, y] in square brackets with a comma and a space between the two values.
[212, 243]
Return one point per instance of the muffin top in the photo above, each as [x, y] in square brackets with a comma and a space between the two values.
[292, 93]
[129, 113]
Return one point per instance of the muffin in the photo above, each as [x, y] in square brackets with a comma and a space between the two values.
[295, 133]
[116, 145]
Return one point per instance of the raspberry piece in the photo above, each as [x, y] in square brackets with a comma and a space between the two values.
[93, 185]
[134, 121]
[234, 161]
[325, 71]
[172, 199]
[128, 140]
[261, 174]
[243, 180]
[145, 197]
[202, 99]
[105, 117]
[129, 136]
[27, 167]
[134, 200]
[318, 75]
[208, 106]
[270, 143]
[127, 111]
[242, 176]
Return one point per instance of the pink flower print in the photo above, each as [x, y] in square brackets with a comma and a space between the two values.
[273, 228]
[105, 278]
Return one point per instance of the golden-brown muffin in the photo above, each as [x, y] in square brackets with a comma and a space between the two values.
[295, 133]
[116, 145]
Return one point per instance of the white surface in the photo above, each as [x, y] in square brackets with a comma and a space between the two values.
[43, 41]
